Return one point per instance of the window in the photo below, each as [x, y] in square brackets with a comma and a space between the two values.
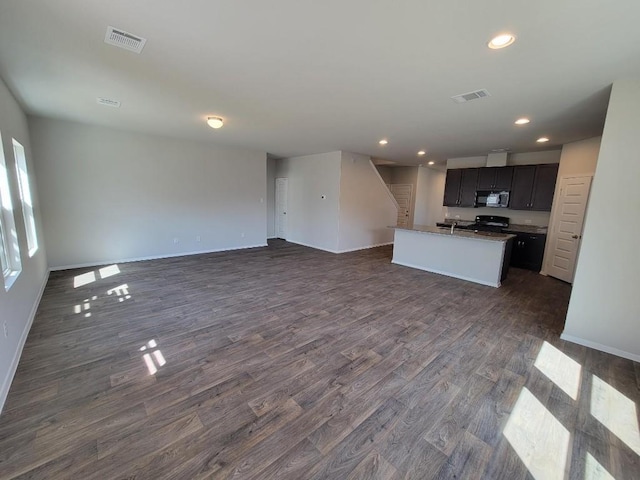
[10, 255]
[25, 197]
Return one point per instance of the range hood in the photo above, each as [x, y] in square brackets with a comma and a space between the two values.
[498, 159]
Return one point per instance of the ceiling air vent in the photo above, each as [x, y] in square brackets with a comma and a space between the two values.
[126, 40]
[467, 97]
[108, 102]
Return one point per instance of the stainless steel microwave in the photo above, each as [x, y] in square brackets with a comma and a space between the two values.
[492, 199]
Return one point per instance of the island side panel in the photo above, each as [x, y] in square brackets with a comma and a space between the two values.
[475, 260]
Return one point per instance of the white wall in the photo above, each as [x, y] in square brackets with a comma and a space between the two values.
[312, 220]
[271, 197]
[429, 194]
[578, 158]
[385, 173]
[604, 310]
[109, 195]
[19, 304]
[366, 206]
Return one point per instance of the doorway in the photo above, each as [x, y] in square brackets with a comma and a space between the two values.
[282, 185]
[403, 193]
[566, 231]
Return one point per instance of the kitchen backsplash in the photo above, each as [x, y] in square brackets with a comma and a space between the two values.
[520, 217]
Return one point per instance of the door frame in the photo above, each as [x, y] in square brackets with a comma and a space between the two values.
[411, 200]
[278, 217]
[552, 223]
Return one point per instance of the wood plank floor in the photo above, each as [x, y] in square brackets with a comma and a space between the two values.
[290, 363]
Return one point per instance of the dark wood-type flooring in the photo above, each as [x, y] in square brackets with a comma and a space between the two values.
[290, 363]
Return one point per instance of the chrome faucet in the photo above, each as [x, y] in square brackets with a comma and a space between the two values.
[453, 226]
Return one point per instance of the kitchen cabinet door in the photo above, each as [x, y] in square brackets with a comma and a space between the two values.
[452, 188]
[522, 187]
[545, 186]
[486, 178]
[468, 186]
[504, 177]
[528, 251]
[495, 178]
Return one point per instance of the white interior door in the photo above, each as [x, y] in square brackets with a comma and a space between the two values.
[403, 193]
[281, 207]
[566, 232]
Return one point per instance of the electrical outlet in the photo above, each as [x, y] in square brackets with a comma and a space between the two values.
[176, 240]
[242, 235]
[5, 328]
[197, 238]
[527, 222]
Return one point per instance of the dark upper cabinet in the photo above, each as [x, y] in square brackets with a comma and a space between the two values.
[460, 187]
[522, 187]
[495, 178]
[452, 188]
[533, 187]
[468, 187]
[544, 187]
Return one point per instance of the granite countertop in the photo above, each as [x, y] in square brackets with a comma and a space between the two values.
[514, 227]
[486, 236]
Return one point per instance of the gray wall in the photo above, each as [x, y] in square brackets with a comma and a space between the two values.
[18, 305]
[111, 196]
[604, 310]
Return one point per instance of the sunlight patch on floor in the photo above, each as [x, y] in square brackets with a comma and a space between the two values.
[560, 369]
[594, 471]
[539, 439]
[84, 279]
[616, 412]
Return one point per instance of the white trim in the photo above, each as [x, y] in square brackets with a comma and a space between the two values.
[311, 246]
[153, 257]
[6, 385]
[338, 252]
[601, 347]
[448, 274]
[364, 248]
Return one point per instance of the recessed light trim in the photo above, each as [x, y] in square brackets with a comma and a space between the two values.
[501, 41]
[422, 152]
[215, 122]
[542, 140]
[522, 121]
[431, 162]
[383, 141]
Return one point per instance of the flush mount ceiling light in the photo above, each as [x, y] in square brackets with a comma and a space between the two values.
[522, 121]
[501, 41]
[215, 122]
[422, 152]
[383, 142]
[542, 140]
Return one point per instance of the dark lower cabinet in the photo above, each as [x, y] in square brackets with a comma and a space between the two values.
[528, 251]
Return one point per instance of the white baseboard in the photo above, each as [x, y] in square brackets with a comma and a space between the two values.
[6, 385]
[447, 274]
[339, 251]
[365, 248]
[601, 347]
[312, 246]
[153, 257]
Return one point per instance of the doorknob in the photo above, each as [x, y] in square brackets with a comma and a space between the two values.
[574, 236]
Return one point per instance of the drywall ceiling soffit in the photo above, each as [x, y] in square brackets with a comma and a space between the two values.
[293, 78]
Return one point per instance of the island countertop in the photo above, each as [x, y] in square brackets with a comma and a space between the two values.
[486, 236]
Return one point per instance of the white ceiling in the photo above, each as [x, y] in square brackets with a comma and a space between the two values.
[294, 77]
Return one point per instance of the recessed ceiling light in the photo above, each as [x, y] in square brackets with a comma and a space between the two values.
[501, 41]
[383, 142]
[542, 140]
[421, 152]
[522, 121]
[431, 162]
[215, 122]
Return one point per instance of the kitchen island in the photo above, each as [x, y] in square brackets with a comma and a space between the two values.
[480, 257]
